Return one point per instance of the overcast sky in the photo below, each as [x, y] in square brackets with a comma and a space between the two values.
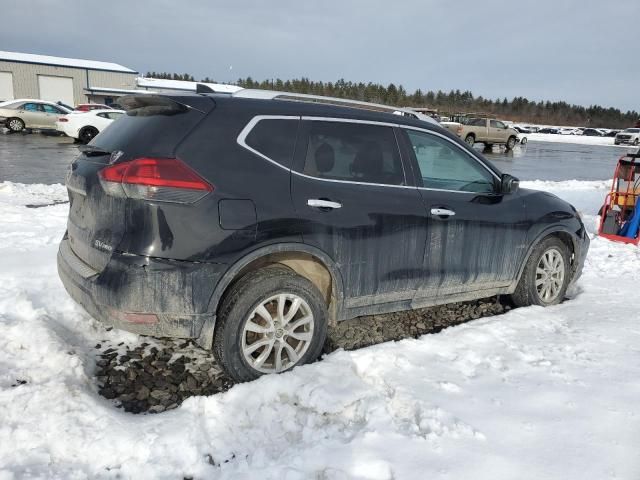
[583, 52]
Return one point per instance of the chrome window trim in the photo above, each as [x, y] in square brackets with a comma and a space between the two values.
[242, 137]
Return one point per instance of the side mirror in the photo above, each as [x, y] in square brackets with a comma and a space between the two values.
[508, 184]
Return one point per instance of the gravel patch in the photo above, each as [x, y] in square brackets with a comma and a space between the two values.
[159, 374]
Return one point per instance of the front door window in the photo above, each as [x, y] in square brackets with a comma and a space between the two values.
[445, 166]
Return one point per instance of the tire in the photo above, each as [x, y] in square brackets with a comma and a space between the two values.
[511, 142]
[470, 140]
[523, 141]
[87, 134]
[266, 288]
[635, 142]
[527, 292]
[15, 124]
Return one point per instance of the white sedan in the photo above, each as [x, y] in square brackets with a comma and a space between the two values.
[83, 126]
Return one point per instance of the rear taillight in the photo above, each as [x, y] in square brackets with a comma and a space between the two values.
[156, 179]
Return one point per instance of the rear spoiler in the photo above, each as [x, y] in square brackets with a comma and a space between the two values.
[165, 104]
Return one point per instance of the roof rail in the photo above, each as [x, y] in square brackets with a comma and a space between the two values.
[303, 97]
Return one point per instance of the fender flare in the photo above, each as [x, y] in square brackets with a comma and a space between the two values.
[206, 335]
[541, 236]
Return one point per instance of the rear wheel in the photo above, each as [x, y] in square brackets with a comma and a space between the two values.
[270, 321]
[470, 140]
[511, 143]
[546, 275]
[87, 134]
[15, 124]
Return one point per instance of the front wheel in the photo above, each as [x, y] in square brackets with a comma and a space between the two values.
[511, 143]
[523, 141]
[470, 140]
[546, 275]
[635, 142]
[15, 125]
[270, 321]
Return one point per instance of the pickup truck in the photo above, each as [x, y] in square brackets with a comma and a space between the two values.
[484, 130]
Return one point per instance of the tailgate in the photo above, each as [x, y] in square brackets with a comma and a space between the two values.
[96, 220]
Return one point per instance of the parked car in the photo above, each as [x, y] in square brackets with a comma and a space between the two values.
[591, 132]
[83, 126]
[520, 129]
[630, 136]
[484, 130]
[613, 133]
[251, 221]
[16, 115]
[548, 130]
[87, 107]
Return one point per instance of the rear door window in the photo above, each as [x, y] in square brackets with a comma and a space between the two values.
[274, 138]
[355, 152]
[51, 109]
[445, 166]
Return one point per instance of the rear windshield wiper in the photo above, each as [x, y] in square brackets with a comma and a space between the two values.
[93, 151]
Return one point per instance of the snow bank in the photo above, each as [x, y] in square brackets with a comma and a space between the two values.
[580, 139]
[533, 394]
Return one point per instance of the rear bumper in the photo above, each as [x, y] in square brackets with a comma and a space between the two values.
[171, 298]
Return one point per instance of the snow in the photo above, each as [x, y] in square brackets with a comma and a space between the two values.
[532, 394]
[161, 84]
[63, 62]
[579, 139]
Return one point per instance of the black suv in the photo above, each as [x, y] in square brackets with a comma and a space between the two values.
[251, 221]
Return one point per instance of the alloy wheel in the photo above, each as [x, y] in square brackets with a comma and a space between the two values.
[277, 333]
[550, 273]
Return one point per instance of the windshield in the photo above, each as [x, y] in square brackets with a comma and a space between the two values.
[632, 130]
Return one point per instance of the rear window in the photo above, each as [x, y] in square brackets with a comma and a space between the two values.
[153, 127]
[275, 139]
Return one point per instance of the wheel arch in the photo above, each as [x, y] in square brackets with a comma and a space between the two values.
[559, 231]
[307, 261]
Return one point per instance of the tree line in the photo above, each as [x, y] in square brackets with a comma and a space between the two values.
[518, 109]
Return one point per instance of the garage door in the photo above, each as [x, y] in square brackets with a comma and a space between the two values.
[56, 89]
[6, 86]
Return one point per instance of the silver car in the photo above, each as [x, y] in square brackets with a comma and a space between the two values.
[17, 115]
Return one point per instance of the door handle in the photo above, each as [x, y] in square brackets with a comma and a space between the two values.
[442, 212]
[320, 203]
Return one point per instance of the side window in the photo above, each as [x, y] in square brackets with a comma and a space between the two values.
[353, 151]
[114, 115]
[497, 124]
[103, 115]
[445, 166]
[31, 107]
[477, 122]
[275, 139]
[50, 109]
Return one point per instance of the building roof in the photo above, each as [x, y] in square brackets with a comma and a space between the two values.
[119, 91]
[183, 85]
[63, 62]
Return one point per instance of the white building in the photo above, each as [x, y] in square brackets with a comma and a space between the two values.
[74, 81]
[68, 80]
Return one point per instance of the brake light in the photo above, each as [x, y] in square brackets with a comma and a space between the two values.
[159, 179]
[459, 129]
